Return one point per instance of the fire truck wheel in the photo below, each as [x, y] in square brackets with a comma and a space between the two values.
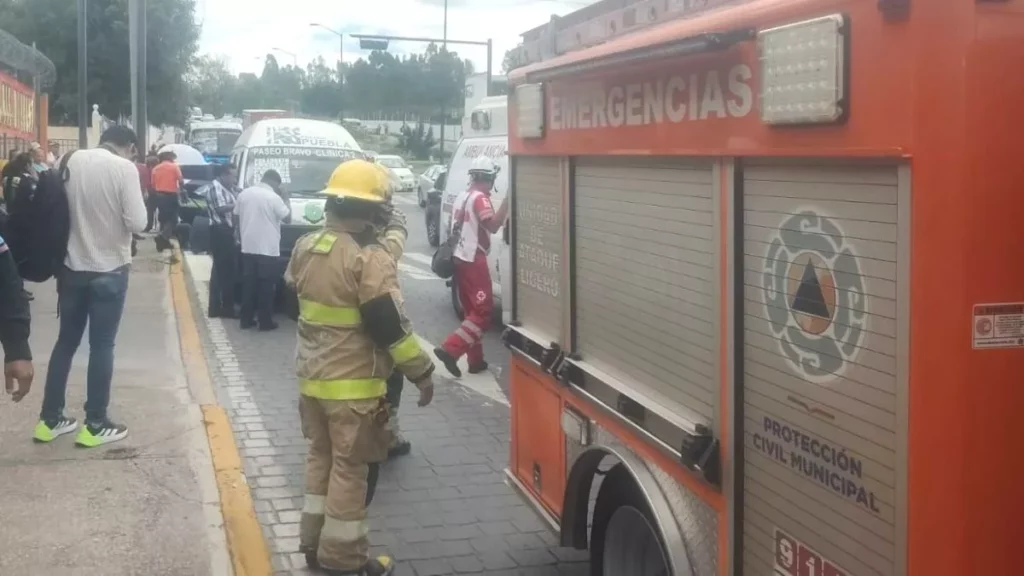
[624, 538]
[456, 305]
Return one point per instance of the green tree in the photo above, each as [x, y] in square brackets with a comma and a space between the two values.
[511, 60]
[212, 86]
[417, 141]
[172, 42]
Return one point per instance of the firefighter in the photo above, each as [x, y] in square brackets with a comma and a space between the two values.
[475, 220]
[352, 333]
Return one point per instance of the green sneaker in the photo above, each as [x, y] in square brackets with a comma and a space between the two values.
[95, 434]
[50, 431]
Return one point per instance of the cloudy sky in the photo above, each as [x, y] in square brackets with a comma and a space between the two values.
[244, 31]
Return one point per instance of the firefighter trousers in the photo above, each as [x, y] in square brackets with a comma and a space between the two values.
[347, 441]
[476, 296]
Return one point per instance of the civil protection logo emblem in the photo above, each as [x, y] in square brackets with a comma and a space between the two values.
[814, 296]
[313, 212]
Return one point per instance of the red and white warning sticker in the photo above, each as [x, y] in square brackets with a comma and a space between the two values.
[998, 325]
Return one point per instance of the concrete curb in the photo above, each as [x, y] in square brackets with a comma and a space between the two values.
[249, 553]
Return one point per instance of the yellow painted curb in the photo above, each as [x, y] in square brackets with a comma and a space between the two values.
[249, 553]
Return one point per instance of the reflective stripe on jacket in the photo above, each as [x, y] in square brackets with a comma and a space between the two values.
[336, 272]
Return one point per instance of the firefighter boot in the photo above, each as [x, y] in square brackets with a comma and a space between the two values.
[399, 445]
[379, 566]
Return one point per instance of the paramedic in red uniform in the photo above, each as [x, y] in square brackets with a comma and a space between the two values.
[475, 219]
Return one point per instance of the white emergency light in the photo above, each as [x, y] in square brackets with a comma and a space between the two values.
[530, 110]
[803, 69]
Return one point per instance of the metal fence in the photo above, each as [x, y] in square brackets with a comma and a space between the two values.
[10, 144]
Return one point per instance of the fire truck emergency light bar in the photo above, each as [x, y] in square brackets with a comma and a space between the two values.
[700, 44]
[803, 71]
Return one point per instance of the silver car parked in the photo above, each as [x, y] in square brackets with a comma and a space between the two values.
[426, 182]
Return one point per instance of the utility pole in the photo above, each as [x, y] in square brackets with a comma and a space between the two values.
[137, 49]
[341, 66]
[83, 61]
[444, 97]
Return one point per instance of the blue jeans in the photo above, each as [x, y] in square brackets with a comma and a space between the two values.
[96, 299]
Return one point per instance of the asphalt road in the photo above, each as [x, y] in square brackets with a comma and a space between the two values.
[428, 299]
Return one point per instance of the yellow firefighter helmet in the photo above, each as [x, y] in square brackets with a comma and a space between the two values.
[360, 180]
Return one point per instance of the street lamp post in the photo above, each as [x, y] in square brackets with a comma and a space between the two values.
[341, 65]
[295, 59]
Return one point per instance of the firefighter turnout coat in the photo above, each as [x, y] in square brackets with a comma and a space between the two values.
[352, 333]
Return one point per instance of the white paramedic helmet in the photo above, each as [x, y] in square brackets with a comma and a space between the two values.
[483, 166]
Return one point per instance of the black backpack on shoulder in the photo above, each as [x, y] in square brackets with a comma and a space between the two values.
[39, 225]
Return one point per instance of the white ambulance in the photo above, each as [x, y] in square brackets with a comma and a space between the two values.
[484, 133]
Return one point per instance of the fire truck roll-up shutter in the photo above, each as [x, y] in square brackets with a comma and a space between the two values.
[539, 252]
[645, 282]
[824, 434]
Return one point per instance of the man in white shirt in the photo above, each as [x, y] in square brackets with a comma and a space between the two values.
[106, 208]
[261, 211]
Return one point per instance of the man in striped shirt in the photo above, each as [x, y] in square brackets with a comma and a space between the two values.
[220, 207]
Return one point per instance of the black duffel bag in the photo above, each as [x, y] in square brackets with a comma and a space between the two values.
[443, 262]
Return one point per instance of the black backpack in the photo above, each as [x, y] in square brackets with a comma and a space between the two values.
[39, 225]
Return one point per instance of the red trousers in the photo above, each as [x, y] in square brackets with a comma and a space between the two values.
[473, 280]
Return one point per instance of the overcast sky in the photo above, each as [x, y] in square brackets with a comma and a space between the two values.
[244, 31]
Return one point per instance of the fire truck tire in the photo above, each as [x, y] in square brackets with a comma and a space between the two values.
[625, 538]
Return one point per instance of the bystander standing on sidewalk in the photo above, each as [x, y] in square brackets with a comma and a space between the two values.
[106, 208]
[53, 154]
[149, 192]
[167, 182]
[220, 207]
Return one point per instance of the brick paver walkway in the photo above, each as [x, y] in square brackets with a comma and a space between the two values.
[444, 509]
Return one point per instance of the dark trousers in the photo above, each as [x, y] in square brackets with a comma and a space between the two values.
[95, 299]
[167, 204]
[150, 210]
[222, 275]
[260, 274]
[396, 382]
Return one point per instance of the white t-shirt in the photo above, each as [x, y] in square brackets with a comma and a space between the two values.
[468, 211]
[105, 200]
[260, 214]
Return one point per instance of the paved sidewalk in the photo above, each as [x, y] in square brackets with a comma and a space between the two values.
[147, 505]
[444, 509]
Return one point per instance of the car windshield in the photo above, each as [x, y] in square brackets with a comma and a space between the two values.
[214, 141]
[391, 161]
[303, 170]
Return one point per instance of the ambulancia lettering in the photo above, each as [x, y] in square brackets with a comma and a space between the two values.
[715, 94]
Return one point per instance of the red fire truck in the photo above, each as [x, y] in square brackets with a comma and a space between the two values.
[768, 316]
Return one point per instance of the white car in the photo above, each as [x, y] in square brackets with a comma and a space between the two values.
[401, 170]
[426, 182]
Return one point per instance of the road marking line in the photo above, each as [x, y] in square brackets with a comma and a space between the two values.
[407, 200]
[417, 257]
[415, 272]
[249, 553]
